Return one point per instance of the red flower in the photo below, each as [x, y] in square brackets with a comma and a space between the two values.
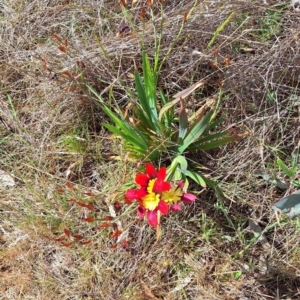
[152, 185]
[157, 195]
[151, 173]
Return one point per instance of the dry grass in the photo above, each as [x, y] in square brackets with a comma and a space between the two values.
[51, 133]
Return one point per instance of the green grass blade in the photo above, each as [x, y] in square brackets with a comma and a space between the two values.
[220, 29]
[284, 168]
[13, 110]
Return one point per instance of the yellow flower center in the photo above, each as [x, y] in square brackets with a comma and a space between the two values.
[150, 201]
[150, 186]
[173, 196]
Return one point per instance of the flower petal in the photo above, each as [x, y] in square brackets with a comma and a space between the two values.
[152, 218]
[180, 183]
[150, 170]
[163, 207]
[127, 200]
[166, 186]
[175, 207]
[161, 186]
[132, 194]
[161, 174]
[141, 211]
[142, 179]
[188, 198]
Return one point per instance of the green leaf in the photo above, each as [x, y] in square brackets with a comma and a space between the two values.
[212, 184]
[169, 115]
[135, 152]
[150, 83]
[181, 160]
[94, 92]
[166, 107]
[175, 172]
[196, 177]
[125, 128]
[163, 98]
[119, 122]
[142, 97]
[127, 138]
[212, 137]
[213, 144]
[178, 175]
[183, 122]
[289, 205]
[237, 274]
[143, 118]
[195, 132]
[215, 123]
[284, 168]
[114, 130]
[146, 155]
[295, 158]
[296, 183]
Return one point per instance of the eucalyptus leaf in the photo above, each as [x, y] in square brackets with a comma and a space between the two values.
[289, 205]
[266, 177]
[280, 184]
